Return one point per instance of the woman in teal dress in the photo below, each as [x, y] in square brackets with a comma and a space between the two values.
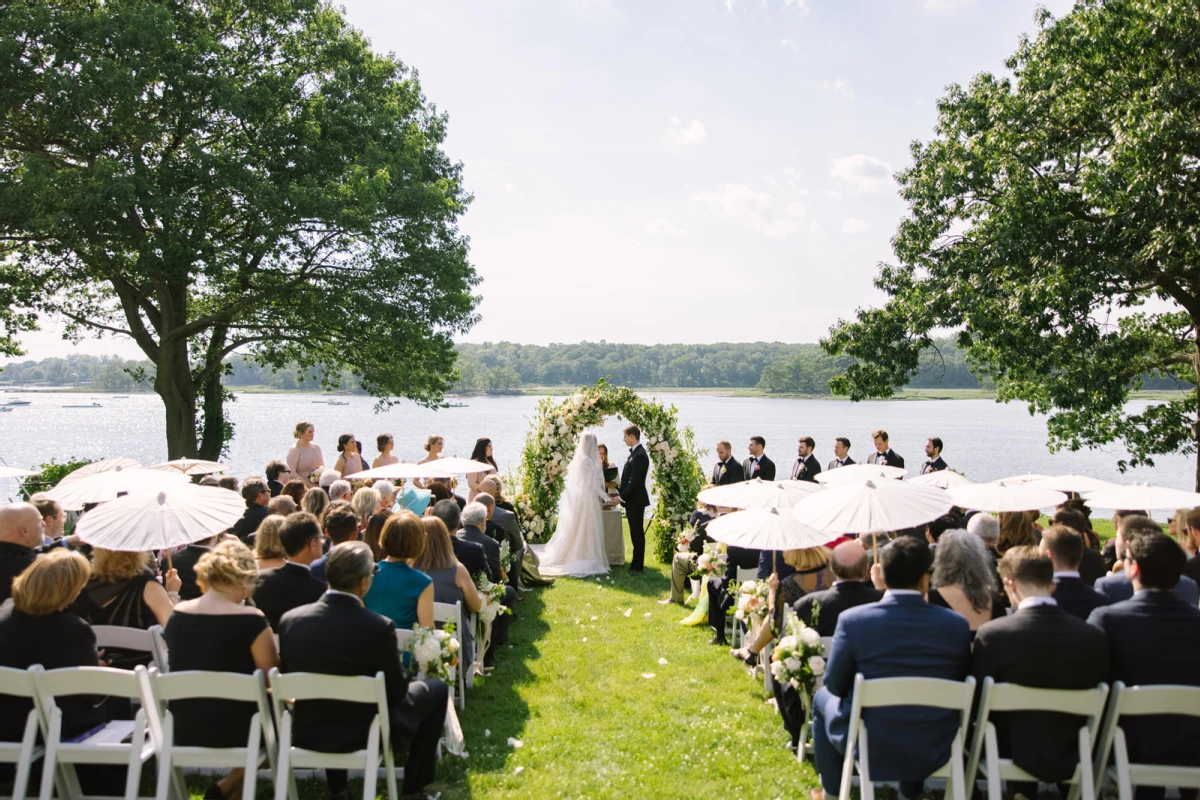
[401, 592]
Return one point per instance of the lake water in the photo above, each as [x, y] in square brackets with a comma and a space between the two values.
[984, 440]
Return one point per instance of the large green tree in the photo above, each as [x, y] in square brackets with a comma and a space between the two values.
[1055, 222]
[212, 176]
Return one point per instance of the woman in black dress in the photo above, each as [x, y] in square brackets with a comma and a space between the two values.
[218, 632]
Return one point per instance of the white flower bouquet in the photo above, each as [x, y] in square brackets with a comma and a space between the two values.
[798, 659]
[752, 601]
[435, 652]
[493, 599]
[711, 563]
[683, 542]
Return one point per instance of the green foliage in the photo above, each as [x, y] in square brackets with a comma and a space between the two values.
[99, 373]
[51, 473]
[1053, 221]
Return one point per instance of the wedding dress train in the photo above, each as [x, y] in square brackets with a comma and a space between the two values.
[577, 546]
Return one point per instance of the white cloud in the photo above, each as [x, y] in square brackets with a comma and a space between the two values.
[854, 226]
[679, 135]
[837, 86]
[752, 209]
[862, 173]
[510, 188]
[800, 6]
[665, 227]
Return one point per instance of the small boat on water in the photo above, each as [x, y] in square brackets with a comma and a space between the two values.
[85, 405]
[16, 403]
[331, 403]
[5, 408]
[454, 402]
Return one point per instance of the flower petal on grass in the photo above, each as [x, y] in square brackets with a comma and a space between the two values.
[515, 742]
[628, 611]
[647, 675]
[663, 662]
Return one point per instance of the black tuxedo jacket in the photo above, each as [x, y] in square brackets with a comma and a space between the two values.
[276, 488]
[1077, 598]
[337, 636]
[283, 588]
[1192, 568]
[806, 469]
[1046, 648]
[732, 473]
[765, 470]
[470, 555]
[834, 464]
[491, 550]
[891, 458]
[185, 564]
[250, 521]
[828, 604]
[14, 558]
[1154, 638]
[632, 490]
[936, 465]
[1091, 566]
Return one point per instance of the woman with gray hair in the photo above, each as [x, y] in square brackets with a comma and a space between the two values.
[962, 578]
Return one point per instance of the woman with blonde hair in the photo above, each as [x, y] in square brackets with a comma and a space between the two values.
[124, 592]
[1016, 530]
[433, 449]
[365, 503]
[218, 632]
[305, 457]
[315, 501]
[268, 549]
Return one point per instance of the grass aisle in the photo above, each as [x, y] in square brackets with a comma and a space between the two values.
[574, 691]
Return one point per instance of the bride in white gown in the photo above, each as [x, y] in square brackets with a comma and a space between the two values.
[577, 546]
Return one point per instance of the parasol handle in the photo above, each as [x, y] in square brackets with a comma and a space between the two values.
[875, 547]
[170, 565]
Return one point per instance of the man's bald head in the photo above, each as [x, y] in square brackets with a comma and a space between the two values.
[849, 562]
[21, 523]
[490, 485]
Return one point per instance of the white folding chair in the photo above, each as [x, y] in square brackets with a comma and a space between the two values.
[1130, 701]
[299, 686]
[19, 683]
[804, 746]
[1009, 697]
[160, 690]
[884, 692]
[732, 629]
[453, 612]
[144, 641]
[118, 742]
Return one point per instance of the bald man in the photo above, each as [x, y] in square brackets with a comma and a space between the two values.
[21, 530]
[852, 588]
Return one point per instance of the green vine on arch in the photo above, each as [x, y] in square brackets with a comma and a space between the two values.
[550, 445]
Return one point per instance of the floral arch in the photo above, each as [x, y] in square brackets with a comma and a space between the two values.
[550, 445]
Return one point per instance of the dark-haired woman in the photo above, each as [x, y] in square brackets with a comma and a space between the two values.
[483, 454]
[349, 461]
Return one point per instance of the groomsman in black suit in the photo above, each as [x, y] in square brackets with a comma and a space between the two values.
[727, 469]
[884, 454]
[806, 468]
[841, 453]
[758, 465]
[1064, 548]
[933, 453]
[634, 496]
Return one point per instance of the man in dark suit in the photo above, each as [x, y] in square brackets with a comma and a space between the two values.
[634, 495]
[1189, 528]
[1118, 586]
[502, 527]
[21, 530]
[933, 456]
[727, 470]
[283, 588]
[184, 563]
[257, 495]
[806, 468]
[1042, 646]
[336, 635]
[719, 598]
[1154, 638]
[278, 474]
[340, 526]
[899, 636]
[469, 554]
[821, 610]
[1064, 548]
[474, 518]
[884, 454]
[758, 465]
[1091, 562]
[841, 453]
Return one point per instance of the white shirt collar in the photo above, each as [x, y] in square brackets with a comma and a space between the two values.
[1030, 602]
[902, 592]
[1066, 573]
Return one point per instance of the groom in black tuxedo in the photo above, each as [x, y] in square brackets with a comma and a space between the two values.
[634, 496]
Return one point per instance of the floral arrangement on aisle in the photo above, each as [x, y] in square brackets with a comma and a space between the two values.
[711, 563]
[505, 558]
[493, 599]
[683, 542]
[435, 652]
[798, 659]
[550, 445]
[752, 602]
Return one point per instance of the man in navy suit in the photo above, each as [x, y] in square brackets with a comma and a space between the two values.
[1118, 587]
[900, 636]
[1154, 638]
[1064, 548]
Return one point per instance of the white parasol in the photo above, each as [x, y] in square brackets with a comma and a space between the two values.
[859, 472]
[169, 518]
[104, 487]
[190, 466]
[397, 471]
[1002, 496]
[1074, 483]
[1141, 497]
[758, 493]
[1028, 477]
[15, 472]
[872, 506]
[452, 465]
[942, 479]
[766, 529]
[97, 467]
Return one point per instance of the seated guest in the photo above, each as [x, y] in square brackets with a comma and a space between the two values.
[451, 581]
[1189, 529]
[281, 589]
[210, 480]
[228, 482]
[469, 554]
[21, 530]
[364, 503]
[719, 598]
[339, 490]
[1064, 547]
[474, 518]
[281, 506]
[416, 499]
[340, 526]
[268, 549]
[684, 564]
[1118, 586]
[338, 636]
[439, 491]
[315, 501]
[1110, 552]
[1042, 646]
[962, 578]
[987, 528]
[900, 636]
[1091, 563]
[400, 592]
[54, 519]
[374, 533]
[327, 478]
[852, 588]
[502, 527]
[123, 592]
[257, 495]
[1016, 529]
[218, 632]
[387, 495]
[1154, 638]
[278, 473]
[295, 489]
[184, 561]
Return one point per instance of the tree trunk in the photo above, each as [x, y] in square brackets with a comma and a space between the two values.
[173, 383]
[213, 429]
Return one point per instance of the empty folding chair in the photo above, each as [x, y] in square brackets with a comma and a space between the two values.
[447, 612]
[19, 683]
[1136, 701]
[150, 641]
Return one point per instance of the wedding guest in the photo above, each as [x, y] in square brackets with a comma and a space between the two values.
[899, 636]
[415, 499]
[374, 533]
[184, 563]
[365, 502]
[210, 480]
[719, 598]
[257, 496]
[501, 500]
[384, 443]
[295, 489]
[933, 456]
[305, 458]
[472, 555]
[21, 532]
[339, 490]
[278, 474]
[483, 454]
[337, 635]
[474, 520]
[229, 482]
[349, 461]
[884, 454]
[433, 451]
[1189, 531]
[268, 548]
[806, 468]
[387, 495]
[852, 588]
[502, 527]
[328, 478]
[1064, 547]
[683, 564]
[123, 592]
[1091, 562]
[400, 592]
[962, 578]
[341, 525]
[284, 588]
[1043, 646]
[727, 470]
[1119, 585]
[439, 492]
[758, 465]
[1016, 530]
[987, 528]
[218, 632]
[54, 519]
[1110, 552]
[841, 453]
[315, 501]
[602, 449]
[451, 581]
[279, 506]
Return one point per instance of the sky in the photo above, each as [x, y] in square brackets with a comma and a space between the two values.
[679, 171]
